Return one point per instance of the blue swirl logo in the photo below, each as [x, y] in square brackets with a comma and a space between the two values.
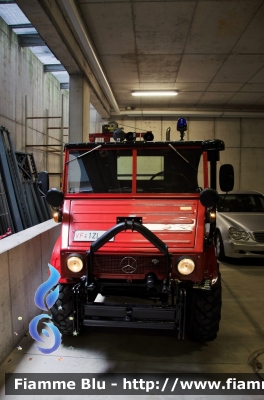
[44, 299]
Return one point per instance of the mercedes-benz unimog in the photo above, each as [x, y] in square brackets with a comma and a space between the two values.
[137, 228]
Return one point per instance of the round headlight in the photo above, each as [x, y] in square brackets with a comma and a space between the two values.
[75, 263]
[238, 235]
[186, 266]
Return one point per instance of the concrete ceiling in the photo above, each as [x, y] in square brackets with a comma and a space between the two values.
[211, 51]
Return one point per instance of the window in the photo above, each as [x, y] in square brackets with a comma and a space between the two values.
[158, 170]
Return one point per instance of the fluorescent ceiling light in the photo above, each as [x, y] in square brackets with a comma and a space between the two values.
[188, 113]
[154, 93]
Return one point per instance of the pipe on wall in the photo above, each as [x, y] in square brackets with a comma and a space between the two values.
[88, 48]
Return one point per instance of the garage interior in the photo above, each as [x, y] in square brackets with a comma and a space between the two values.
[67, 68]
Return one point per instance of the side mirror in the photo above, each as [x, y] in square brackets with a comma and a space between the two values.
[209, 198]
[55, 198]
[226, 177]
[43, 182]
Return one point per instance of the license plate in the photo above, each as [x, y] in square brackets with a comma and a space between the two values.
[88, 236]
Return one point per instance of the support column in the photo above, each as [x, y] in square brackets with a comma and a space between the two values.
[79, 109]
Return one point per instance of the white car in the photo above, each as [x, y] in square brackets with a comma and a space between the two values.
[240, 225]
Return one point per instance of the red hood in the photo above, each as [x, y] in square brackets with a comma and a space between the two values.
[173, 221]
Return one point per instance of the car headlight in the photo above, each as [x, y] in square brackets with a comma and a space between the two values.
[75, 262]
[186, 266]
[236, 234]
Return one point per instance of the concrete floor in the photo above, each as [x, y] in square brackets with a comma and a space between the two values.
[119, 350]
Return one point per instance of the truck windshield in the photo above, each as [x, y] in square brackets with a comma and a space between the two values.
[158, 170]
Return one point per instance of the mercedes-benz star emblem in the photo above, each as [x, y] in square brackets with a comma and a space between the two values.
[128, 265]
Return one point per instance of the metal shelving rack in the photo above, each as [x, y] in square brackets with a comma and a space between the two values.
[47, 147]
[21, 204]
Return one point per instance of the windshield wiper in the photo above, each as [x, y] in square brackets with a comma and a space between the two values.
[179, 154]
[87, 152]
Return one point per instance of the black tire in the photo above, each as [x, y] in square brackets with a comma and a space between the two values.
[204, 312]
[219, 247]
[62, 311]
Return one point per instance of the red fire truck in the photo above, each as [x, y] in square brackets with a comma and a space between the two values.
[137, 228]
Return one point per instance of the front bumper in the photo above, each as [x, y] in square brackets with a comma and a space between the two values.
[129, 315]
[241, 249]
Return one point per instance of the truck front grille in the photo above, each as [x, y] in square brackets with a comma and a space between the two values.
[259, 236]
[128, 265]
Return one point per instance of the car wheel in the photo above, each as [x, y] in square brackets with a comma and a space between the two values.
[219, 247]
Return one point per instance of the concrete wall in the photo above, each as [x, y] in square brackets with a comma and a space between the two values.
[24, 259]
[96, 121]
[22, 79]
[243, 138]
[26, 90]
